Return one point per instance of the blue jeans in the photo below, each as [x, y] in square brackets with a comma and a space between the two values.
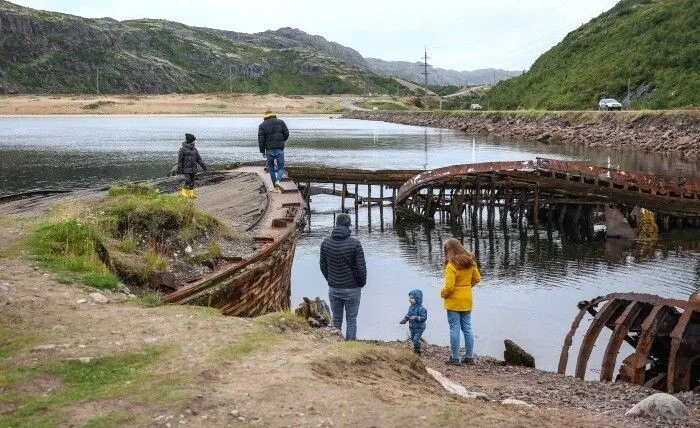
[416, 334]
[347, 299]
[272, 156]
[463, 321]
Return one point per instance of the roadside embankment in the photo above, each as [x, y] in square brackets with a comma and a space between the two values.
[663, 132]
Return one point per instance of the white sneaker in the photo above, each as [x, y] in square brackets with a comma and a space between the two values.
[279, 186]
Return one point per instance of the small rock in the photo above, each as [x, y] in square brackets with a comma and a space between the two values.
[281, 363]
[45, 347]
[517, 356]
[98, 298]
[4, 287]
[660, 405]
[241, 418]
[150, 340]
[81, 301]
[514, 402]
[85, 360]
[188, 250]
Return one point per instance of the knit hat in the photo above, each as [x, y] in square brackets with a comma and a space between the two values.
[269, 114]
[343, 220]
[190, 138]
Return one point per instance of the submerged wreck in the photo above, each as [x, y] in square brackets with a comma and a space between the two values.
[664, 332]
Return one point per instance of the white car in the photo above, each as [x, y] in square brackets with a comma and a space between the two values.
[609, 104]
[474, 107]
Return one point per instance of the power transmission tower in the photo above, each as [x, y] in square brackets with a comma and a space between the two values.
[425, 69]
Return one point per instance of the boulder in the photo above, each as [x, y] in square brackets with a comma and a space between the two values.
[660, 405]
[514, 355]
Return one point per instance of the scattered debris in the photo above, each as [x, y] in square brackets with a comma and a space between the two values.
[316, 312]
[455, 388]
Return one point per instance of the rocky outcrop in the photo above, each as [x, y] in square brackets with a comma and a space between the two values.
[652, 132]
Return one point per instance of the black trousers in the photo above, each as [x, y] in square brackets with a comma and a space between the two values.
[189, 181]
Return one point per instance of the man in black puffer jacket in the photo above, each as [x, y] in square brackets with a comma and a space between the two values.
[272, 133]
[187, 160]
[343, 266]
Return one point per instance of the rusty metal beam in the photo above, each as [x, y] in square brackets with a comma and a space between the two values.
[644, 342]
[608, 309]
[564, 357]
[676, 338]
[622, 326]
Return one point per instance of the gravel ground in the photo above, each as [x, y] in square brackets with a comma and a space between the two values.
[550, 390]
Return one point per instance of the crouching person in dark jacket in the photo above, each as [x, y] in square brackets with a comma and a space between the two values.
[343, 266]
[187, 160]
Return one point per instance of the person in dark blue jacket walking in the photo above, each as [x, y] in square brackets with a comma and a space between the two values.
[342, 263]
[416, 317]
[272, 134]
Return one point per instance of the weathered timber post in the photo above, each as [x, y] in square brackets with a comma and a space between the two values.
[308, 203]
[369, 206]
[357, 209]
[393, 205]
[521, 208]
[562, 214]
[343, 192]
[536, 206]
[381, 207]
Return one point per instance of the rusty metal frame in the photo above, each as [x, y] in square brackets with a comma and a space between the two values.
[623, 311]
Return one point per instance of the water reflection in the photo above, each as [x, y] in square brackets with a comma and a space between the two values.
[73, 152]
[532, 281]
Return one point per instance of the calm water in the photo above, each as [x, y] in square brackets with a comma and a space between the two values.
[531, 284]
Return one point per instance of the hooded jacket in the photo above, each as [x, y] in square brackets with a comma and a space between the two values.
[342, 260]
[272, 133]
[457, 291]
[188, 157]
[417, 311]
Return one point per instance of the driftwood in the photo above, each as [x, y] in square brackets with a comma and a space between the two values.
[316, 312]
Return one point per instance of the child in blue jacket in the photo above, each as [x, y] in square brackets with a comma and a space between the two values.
[416, 317]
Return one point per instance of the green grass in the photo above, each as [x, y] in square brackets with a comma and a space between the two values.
[74, 250]
[150, 300]
[256, 341]
[127, 376]
[155, 216]
[648, 43]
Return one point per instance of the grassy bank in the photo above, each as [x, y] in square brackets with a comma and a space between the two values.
[131, 235]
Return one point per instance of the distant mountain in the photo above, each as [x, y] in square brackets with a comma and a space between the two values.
[413, 71]
[49, 52]
[57, 53]
[651, 45]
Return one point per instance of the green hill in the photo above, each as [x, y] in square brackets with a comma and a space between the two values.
[652, 44]
[47, 52]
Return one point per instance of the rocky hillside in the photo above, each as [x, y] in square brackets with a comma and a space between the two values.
[439, 76]
[46, 52]
[652, 45]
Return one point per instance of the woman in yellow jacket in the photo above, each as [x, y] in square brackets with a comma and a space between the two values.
[461, 274]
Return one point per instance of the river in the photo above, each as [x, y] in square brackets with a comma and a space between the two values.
[531, 283]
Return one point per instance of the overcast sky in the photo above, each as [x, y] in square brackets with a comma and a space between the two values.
[458, 34]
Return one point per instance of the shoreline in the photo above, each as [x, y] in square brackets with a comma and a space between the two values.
[664, 132]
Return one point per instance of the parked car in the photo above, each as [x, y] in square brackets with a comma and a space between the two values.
[474, 107]
[609, 104]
